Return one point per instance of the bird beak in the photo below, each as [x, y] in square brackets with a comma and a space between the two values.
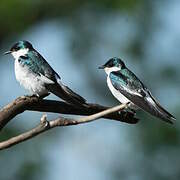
[101, 67]
[7, 52]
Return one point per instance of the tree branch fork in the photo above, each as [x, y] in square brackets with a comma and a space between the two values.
[31, 103]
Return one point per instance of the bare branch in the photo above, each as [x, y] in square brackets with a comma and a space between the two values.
[47, 125]
[33, 103]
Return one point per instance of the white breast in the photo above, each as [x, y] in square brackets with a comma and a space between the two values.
[120, 97]
[116, 93]
[29, 80]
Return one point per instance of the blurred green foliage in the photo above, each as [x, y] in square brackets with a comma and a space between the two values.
[18, 15]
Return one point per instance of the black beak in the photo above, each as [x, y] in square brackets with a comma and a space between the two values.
[7, 52]
[101, 67]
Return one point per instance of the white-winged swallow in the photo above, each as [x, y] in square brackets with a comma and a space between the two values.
[126, 87]
[36, 75]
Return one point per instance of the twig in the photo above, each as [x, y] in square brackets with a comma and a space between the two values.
[47, 125]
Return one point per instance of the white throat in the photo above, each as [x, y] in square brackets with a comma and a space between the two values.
[111, 69]
[21, 52]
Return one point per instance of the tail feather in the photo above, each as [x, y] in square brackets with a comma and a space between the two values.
[165, 111]
[163, 114]
[66, 94]
[73, 94]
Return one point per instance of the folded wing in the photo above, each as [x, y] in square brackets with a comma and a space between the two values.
[39, 66]
[132, 88]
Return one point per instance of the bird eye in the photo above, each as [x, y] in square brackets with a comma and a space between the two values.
[17, 48]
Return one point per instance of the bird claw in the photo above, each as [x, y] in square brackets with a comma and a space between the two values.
[44, 95]
[37, 96]
[127, 111]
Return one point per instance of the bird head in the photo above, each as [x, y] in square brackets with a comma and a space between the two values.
[113, 64]
[20, 48]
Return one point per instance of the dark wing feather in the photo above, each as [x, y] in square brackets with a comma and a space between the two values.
[39, 66]
[133, 89]
[160, 107]
[126, 82]
[66, 94]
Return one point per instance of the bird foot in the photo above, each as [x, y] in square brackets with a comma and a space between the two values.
[128, 110]
[36, 95]
[132, 111]
[29, 96]
[43, 96]
[123, 112]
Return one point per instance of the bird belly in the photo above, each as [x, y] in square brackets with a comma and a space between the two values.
[116, 93]
[29, 80]
[120, 97]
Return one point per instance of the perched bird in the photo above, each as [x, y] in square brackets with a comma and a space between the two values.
[126, 87]
[36, 75]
